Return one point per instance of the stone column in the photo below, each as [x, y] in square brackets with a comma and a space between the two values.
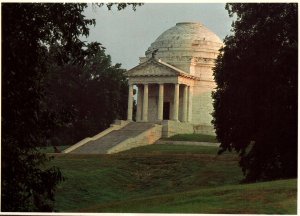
[185, 103]
[139, 104]
[176, 102]
[145, 103]
[190, 104]
[130, 103]
[160, 102]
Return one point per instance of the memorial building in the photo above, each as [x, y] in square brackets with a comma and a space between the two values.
[174, 82]
[175, 78]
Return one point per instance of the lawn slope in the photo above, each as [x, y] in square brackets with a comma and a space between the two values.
[194, 178]
[276, 197]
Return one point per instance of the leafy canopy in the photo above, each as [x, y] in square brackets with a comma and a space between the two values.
[255, 101]
[86, 98]
[28, 31]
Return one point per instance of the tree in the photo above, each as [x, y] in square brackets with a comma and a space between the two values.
[94, 94]
[28, 30]
[255, 103]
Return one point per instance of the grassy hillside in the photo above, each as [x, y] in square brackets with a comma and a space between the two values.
[162, 178]
[277, 197]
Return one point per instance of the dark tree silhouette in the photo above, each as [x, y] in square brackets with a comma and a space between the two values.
[256, 99]
[28, 31]
[94, 94]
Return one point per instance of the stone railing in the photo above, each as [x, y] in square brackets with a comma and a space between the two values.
[148, 137]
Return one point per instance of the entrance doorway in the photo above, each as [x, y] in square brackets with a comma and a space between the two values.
[166, 111]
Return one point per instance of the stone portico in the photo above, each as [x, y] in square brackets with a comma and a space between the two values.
[164, 92]
[175, 81]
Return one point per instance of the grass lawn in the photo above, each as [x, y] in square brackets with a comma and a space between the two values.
[277, 197]
[166, 179]
[193, 137]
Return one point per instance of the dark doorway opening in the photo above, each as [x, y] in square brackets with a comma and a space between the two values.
[166, 112]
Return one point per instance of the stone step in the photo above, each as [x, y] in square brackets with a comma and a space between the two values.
[103, 144]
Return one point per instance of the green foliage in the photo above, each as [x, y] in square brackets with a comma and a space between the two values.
[28, 31]
[194, 137]
[50, 149]
[256, 99]
[93, 94]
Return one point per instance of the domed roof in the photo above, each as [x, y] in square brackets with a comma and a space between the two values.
[188, 36]
[189, 31]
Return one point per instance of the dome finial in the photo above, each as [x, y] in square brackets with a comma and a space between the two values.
[154, 53]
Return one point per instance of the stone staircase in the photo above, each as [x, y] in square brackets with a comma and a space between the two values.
[132, 135]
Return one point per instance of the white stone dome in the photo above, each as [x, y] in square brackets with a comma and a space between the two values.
[186, 44]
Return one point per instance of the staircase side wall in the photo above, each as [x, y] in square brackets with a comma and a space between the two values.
[148, 137]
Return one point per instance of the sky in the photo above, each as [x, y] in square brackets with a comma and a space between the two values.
[127, 34]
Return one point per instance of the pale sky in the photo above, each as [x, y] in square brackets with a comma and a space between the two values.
[127, 34]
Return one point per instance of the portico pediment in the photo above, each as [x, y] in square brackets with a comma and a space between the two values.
[158, 68]
[152, 67]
